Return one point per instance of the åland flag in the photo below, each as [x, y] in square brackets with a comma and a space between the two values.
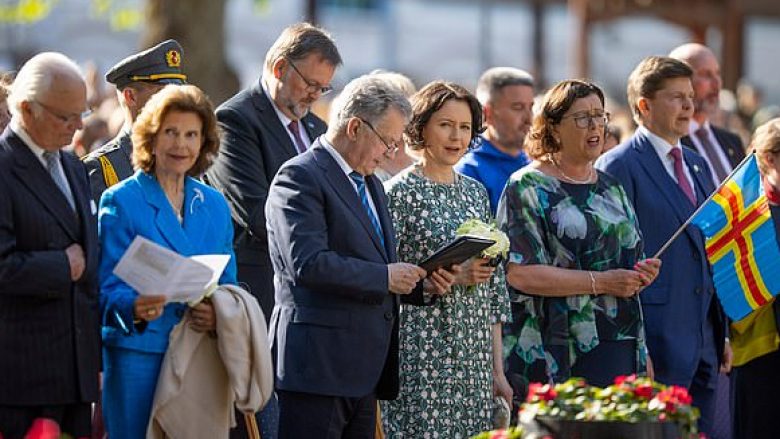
[740, 242]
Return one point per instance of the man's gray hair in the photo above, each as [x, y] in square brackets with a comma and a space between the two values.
[496, 78]
[36, 76]
[368, 97]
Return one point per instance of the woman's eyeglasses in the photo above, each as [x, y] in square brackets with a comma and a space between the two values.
[584, 121]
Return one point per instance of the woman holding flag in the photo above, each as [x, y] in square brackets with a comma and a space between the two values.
[755, 338]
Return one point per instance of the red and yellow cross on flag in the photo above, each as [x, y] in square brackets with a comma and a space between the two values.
[740, 242]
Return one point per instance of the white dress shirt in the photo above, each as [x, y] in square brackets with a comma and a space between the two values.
[664, 149]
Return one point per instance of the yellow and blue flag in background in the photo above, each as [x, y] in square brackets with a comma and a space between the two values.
[740, 241]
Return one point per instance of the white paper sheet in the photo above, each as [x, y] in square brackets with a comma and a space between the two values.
[152, 269]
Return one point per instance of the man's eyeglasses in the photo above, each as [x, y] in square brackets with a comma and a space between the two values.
[72, 118]
[392, 148]
[312, 86]
[584, 121]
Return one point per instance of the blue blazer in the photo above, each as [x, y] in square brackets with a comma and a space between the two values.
[138, 206]
[335, 325]
[679, 303]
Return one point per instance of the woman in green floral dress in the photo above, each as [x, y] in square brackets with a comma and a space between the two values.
[576, 262]
[450, 345]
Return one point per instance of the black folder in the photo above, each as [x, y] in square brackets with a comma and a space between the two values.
[457, 251]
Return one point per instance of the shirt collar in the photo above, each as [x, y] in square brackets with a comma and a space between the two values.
[662, 147]
[336, 155]
[17, 128]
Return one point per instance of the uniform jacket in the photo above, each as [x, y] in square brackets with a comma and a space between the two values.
[49, 325]
[335, 324]
[109, 164]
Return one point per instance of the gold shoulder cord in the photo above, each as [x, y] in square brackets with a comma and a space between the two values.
[109, 175]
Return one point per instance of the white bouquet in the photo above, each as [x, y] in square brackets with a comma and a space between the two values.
[479, 229]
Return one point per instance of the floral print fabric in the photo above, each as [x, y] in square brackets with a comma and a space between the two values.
[446, 361]
[576, 226]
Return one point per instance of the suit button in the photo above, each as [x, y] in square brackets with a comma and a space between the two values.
[389, 315]
[697, 290]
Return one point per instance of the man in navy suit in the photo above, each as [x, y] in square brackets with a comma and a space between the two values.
[720, 148]
[683, 319]
[262, 127]
[49, 322]
[335, 323]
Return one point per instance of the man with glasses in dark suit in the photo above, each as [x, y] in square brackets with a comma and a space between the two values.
[262, 127]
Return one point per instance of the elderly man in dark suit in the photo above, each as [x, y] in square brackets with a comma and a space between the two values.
[335, 324]
[721, 149]
[49, 323]
[684, 321]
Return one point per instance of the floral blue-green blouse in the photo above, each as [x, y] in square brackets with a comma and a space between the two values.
[576, 226]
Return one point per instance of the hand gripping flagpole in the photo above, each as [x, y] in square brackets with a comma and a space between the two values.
[701, 206]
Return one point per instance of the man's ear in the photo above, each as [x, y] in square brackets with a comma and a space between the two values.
[487, 111]
[352, 128]
[277, 69]
[643, 104]
[128, 94]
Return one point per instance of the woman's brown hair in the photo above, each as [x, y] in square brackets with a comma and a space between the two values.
[555, 104]
[429, 100]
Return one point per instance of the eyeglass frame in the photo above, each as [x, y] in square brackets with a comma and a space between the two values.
[311, 86]
[391, 149]
[66, 119]
[590, 119]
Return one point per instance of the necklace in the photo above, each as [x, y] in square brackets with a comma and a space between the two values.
[586, 180]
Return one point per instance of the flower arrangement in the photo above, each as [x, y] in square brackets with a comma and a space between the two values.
[631, 400]
[480, 229]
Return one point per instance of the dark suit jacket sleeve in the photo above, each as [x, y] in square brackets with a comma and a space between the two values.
[301, 233]
[43, 273]
[239, 173]
[116, 234]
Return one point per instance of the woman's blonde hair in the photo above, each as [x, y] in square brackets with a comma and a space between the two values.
[181, 98]
[766, 141]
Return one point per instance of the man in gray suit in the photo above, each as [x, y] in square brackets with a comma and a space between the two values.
[262, 127]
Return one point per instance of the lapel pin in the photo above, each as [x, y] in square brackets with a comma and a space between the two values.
[198, 196]
[695, 168]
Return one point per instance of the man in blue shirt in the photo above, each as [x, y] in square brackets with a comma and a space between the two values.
[507, 97]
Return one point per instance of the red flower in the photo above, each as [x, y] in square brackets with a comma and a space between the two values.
[545, 392]
[619, 380]
[643, 391]
[43, 428]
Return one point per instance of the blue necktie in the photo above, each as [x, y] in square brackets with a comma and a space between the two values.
[361, 187]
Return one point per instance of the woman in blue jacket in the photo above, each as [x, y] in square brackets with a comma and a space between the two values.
[175, 139]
